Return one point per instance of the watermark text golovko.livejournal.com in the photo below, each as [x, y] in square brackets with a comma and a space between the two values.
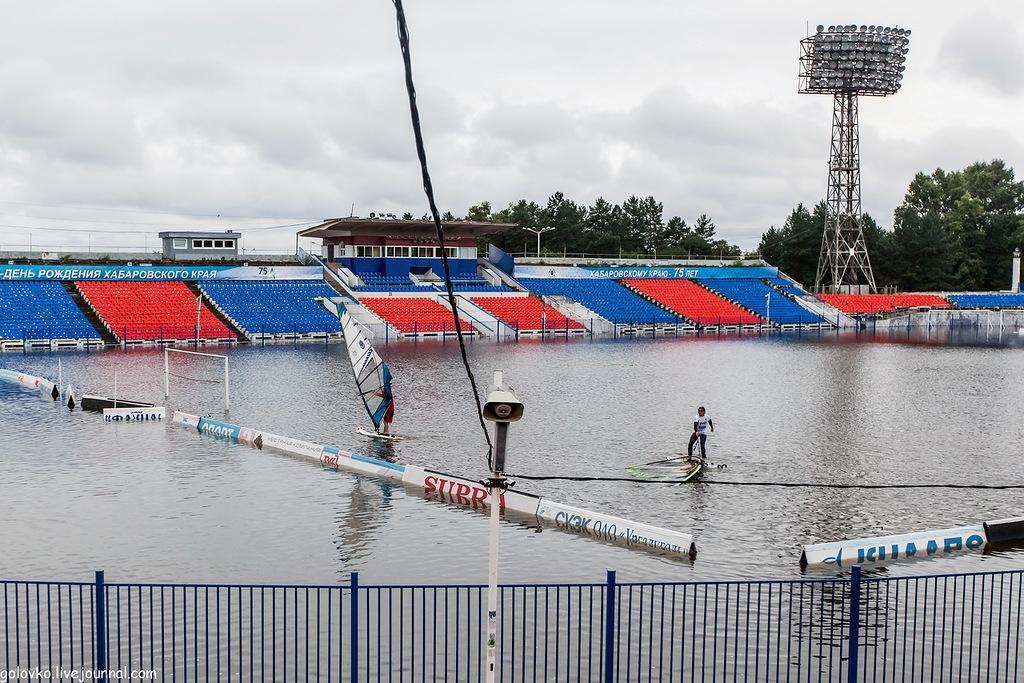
[37, 674]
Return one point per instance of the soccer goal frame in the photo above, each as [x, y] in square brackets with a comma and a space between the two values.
[227, 372]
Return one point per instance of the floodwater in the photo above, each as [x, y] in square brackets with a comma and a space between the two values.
[159, 502]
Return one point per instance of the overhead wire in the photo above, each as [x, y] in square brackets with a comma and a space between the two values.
[428, 189]
[783, 484]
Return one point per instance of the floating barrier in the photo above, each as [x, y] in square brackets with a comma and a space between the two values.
[133, 414]
[31, 381]
[881, 550]
[458, 491]
[98, 404]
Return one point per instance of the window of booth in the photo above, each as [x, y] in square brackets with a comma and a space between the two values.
[399, 252]
[367, 251]
[180, 244]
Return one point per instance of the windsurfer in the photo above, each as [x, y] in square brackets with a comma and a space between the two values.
[389, 416]
[701, 423]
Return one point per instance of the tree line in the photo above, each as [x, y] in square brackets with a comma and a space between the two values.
[953, 231]
[635, 227]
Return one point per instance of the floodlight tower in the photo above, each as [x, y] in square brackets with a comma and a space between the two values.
[846, 62]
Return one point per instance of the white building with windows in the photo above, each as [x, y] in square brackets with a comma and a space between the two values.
[200, 246]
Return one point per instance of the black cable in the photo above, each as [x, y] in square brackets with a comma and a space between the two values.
[785, 484]
[428, 189]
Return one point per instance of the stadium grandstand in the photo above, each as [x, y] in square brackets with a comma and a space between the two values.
[774, 306]
[41, 310]
[527, 314]
[694, 302]
[153, 311]
[995, 301]
[421, 316]
[605, 297]
[882, 303]
[389, 273]
[279, 307]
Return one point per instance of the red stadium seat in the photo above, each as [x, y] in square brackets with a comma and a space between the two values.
[525, 313]
[882, 303]
[414, 315]
[137, 311]
[693, 302]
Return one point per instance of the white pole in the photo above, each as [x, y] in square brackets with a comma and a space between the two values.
[115, 388]
[492, 585]
[199, 305]
[227, 388]
[60, 379]
[167, 377]
[492, 573]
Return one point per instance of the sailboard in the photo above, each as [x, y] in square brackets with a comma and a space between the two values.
[378, 435]
[372, 375]
[679, 470]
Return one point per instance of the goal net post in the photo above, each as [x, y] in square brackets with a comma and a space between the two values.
[226, 380]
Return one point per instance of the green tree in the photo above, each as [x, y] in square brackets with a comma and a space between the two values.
[479, 212]
[980, 213]
[704, 227]
[644, 223]
[796, 246]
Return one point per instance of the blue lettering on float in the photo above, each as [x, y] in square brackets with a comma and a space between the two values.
[218, 429]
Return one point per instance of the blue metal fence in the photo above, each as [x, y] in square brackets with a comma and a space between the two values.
[947, 627]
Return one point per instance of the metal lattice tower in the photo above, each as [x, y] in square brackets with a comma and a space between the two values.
[846, 63]
[844, 253]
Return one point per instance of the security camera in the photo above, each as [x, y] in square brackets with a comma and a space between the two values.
[503, 406]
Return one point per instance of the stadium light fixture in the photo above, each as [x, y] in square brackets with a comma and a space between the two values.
[847, 61]
[538, 232]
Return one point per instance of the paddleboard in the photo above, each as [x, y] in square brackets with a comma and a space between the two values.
[375, 435]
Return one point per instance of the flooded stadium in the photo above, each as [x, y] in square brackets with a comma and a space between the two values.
[157, 502]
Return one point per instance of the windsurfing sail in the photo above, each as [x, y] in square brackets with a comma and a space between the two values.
[372, 374]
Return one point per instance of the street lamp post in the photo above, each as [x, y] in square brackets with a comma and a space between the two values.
[538, 232]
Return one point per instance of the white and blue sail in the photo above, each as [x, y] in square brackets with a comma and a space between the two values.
[372, 374]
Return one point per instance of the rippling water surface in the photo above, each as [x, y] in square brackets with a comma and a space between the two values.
[156, 502]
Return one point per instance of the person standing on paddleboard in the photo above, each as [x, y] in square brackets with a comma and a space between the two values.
[701, 424]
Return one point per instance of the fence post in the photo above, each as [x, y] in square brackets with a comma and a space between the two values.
[354, 627]
[609, 628]
[100, 615]
[852, 664]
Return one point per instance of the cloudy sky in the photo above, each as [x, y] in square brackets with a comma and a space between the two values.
[120, 118]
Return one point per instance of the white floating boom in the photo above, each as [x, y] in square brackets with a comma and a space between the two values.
[458, 491]
[32, 382]
[883, 550]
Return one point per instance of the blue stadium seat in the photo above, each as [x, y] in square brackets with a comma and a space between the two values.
[1007, 300]
[751, 294]
[274, 306]
[607, 298]
[41, 309]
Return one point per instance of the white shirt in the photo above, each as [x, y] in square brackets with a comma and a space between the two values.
[702, 423]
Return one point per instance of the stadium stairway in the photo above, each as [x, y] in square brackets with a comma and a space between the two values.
[483, 320]
[212, 304]
[108, 337]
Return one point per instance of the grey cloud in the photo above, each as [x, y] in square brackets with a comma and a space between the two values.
[256, 108]
[988, 49]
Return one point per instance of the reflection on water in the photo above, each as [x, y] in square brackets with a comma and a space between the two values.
[149, 501]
